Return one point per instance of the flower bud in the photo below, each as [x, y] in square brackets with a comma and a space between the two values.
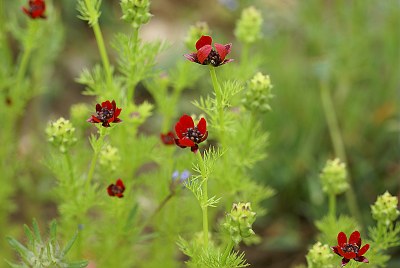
[385, 208]
[195, 32]
[319, 256]
[248, 28]
[239, 222]
[61, 134]
[136, 12]
[333, 177]
[258, 93]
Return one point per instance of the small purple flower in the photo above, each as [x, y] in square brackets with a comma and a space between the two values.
[179, 178]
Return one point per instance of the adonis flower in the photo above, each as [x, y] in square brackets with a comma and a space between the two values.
[190, 135]
[116, 189]
[350, 250]
[106, 113]
[206, 54]
[168, 139]
[36, 9]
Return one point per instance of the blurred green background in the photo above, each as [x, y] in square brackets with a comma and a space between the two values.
[350, 46]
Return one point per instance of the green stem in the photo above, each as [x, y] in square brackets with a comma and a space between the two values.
[218, 95]
[204, 206]
[245, 54]
[134, 40]
[69, 165]
[97, 147]
[338, 145]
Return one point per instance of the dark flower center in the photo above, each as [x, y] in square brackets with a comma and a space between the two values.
[194, 134]
[213, 59]
[116, 189]
[350, 248]
[105, 114]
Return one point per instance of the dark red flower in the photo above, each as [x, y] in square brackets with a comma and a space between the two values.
[350, 250]
[206, 54]
[36, 9]
[190, 135]
[168, 138]
[116, 189]
[107, 113]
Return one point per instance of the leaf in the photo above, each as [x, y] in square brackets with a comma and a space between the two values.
[69, 244]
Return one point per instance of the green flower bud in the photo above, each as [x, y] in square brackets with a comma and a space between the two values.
[195, 32]
[258, 93]
[109, 158]
[239, 222]
[319, 256]
[136, 12]
[248, 28]
[385, 208]
[61, 134]
[333, 177]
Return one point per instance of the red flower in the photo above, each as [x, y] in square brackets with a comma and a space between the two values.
[206, 54]
[168, 138]
[352, 249]
[107, 113]
[36, 9]
[190, 135]
[116, 189]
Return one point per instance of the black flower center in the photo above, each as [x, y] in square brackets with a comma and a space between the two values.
[105, 114]
[116, 189]
[194, 134]
[350, 248]
[213, 58]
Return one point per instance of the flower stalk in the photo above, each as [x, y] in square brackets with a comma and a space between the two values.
[204, 205]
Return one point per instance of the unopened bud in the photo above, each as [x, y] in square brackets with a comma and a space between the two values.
[385, 208]
[61, 134]
[334, 177]
[248, 28]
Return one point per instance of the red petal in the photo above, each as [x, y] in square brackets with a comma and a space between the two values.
[203, 41]
[202, 126]
[335, 249]
[109, 190]
[94, 119]
[355, 239]
[342, 239]
[203, 53]
[344, 262]
[120, 184]
[179, 129]
[114, 106]
[363, 250]
[192, 57]
[186, 142]
[98, 107]
[362, 259]
[186, 121]
[117, 112]
[194, 148]
[349, 255]
[119, 195]
[107, 104]
[204, 137]
[223, 50]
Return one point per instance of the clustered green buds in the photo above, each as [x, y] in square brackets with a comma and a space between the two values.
[334, 177]
[109, 158]
[61, 134]
[248, 28]
[195, 32]
[239, 222]
[258, 93]
[319, 256]
[385, 208]
[136, 12]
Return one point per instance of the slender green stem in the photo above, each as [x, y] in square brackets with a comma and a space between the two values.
[103, 53]
[218, 95]
[338, 144]
[97, 147]
[69, 166]
[228, 249]
[332, 205]
[134, 40]
[245, 54]
[204, 206]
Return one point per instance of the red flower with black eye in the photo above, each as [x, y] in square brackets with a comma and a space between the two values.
[36, 9]
[352, 249]
[190, 135]
[116, 189]
[168, 139]
[106, 113]
[206, 54]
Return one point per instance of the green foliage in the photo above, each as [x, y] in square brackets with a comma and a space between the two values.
[44, 252]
